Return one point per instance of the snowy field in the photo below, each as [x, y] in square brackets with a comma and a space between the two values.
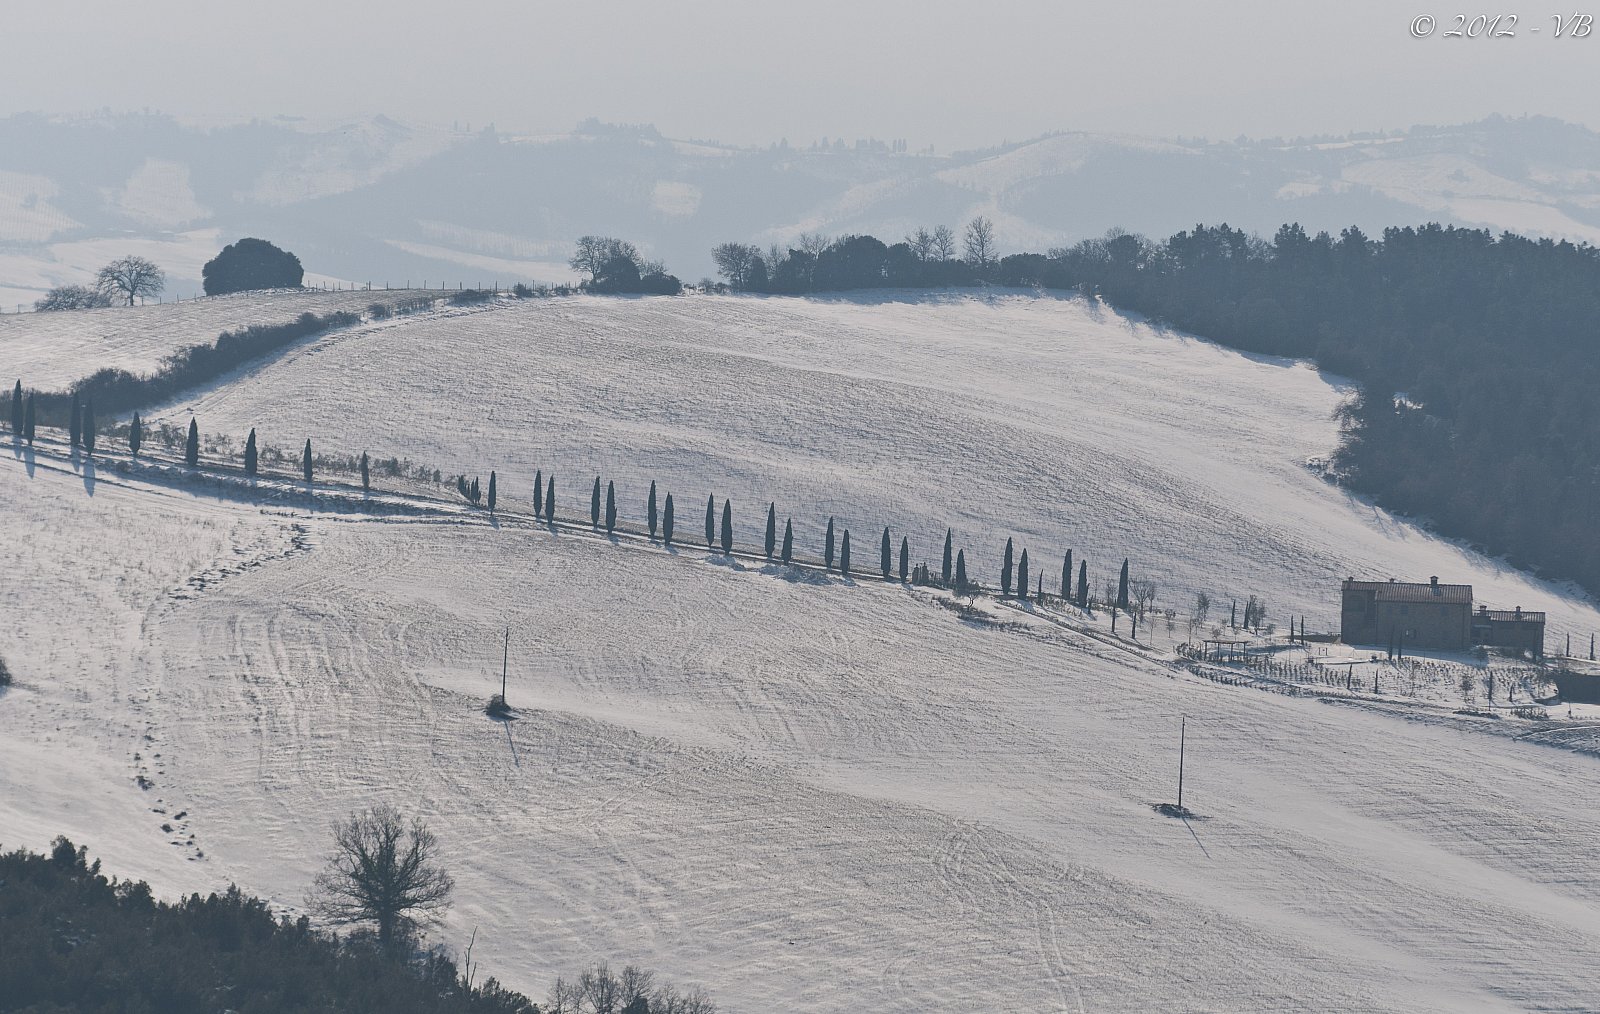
[49, 351]
[803, 793]
[1056, 421]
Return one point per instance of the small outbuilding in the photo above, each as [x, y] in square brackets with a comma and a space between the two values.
[1509, 628]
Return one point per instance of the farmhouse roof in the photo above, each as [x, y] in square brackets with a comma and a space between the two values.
[1413, 591]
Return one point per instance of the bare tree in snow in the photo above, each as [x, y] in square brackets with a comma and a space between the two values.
[979, 242]
[131, 276]
[921, 244]
[944, 243]
[383, 871]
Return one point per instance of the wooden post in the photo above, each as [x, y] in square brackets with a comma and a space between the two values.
[505, 660]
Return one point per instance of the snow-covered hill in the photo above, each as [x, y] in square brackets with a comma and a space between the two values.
[804, 792]
[49, 351]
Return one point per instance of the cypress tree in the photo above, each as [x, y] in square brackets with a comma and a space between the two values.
[788, 540]
[191, 448]
[366, 472]
[305, 461]
[550, 500]
[494, 490]
[75, 421]
[885, 555]
[249, 453]
[16, 409]
[650, 508]
[1022, 576]
[944, 571]
[1005, 571]
[1122, 588]
[961, 571]
[905, 557]
[538, 494]
[711, 521]
[827, 548]
[475, 492]
[1083, 584]
[727, 526]
[844, 554]
[772, 529]
[1066, 578]
[88, 425]
[135, 436]
[594, 505]
[611, 507]
[666, 522]
[28, 421]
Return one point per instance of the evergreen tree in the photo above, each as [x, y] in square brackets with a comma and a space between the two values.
[28, 421]
[944, 570]
[550, 500]
[1122, 588]
[885, 555]
[75, 421]
[191, 448]
[1083, 584]
[905, 557]
[250, 454]
[961, 571]
[772, 529]
[827, 548]
[1066, 578]
[1022, 576]
[650, 508]
[727, 526]
[474, 491]
[305, 460]
[494, 490]
[711, 521]
[16, 409]
[538, 494]
[594, 505]
[666, 521]
[844, 554]
[1005, 571]
[788, 540]
[611, 507]
[135, 436]
[366, 472]
[88, 425]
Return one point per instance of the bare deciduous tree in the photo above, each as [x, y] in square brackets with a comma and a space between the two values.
[921, 244]
[598, 990]
[72, 297]
[813, 243]
[1144, 594]
[382, 871]
[736, 262]
[944, 243]
[131, 276]
[594, 252]
[979, 242]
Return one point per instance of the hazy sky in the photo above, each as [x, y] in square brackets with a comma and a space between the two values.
[954, 75]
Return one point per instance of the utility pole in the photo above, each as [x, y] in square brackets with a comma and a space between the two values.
[1183, 730]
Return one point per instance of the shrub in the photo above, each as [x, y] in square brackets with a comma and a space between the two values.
[5, 674]
[251, 264]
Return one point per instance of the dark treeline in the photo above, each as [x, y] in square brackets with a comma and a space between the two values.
[116, 391]
[75, 940]
[1476, 355]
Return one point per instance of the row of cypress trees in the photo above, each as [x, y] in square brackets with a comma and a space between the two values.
[953, 569]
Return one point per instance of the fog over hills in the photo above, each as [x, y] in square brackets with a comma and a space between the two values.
[382, 201]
